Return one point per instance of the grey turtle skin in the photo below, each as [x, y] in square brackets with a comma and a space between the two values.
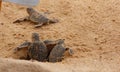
[57, 53]
[37, 50]
[38, 18]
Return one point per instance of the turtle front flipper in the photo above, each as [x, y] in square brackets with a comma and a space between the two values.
[26, 44]
[38, 25]
[53, 21]
[50, 43]
[21, 19]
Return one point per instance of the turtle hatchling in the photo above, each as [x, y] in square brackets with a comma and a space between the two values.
[37, 49]
[57, 53]
[38, 18]
[50, 44]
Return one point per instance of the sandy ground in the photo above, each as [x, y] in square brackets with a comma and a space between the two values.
[90, 27]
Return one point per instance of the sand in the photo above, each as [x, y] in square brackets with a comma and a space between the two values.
[90, 27]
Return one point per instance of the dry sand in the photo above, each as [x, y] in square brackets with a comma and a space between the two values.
[90, 27]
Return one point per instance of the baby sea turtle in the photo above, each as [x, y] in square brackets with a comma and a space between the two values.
[36, 17]
[51, 43]
[57, 53]
[37, 49]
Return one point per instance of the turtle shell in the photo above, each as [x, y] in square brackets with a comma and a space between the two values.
[57, 53]
[38, 18]
[38, 51]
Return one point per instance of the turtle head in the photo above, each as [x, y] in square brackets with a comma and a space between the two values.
[35, 37]
[30, 10]
[60, 41]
